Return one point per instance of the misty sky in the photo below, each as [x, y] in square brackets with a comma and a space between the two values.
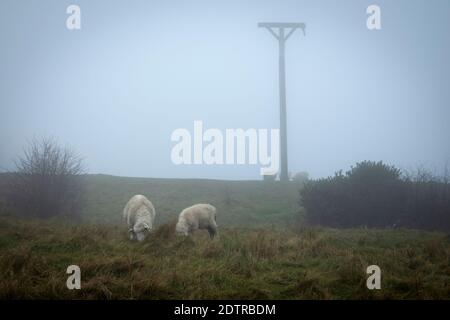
[137, 70]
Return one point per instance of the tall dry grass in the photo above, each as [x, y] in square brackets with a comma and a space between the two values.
[308, 263]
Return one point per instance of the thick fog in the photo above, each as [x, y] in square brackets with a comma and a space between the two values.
[136, 71]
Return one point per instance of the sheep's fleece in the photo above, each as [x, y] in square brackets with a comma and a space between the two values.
[139, 214]
[199, 216]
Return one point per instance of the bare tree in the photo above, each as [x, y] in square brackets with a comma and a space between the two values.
[47, 181]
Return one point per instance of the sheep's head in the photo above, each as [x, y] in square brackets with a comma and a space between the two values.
[181, 228]
[141, 230]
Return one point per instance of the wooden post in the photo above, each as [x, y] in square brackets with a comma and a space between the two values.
[281, 37]
[282, 92]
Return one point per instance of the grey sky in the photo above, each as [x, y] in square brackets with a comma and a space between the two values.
[137, 70]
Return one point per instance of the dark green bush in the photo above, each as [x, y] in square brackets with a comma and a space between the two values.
[374, 194]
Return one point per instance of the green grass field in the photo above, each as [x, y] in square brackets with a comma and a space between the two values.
[263, 252]
[239, 203]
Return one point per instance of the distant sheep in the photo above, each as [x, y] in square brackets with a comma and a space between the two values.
[139, 214]
[199, 216]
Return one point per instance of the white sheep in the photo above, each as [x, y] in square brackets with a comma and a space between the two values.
[199, 216]
[139, 214]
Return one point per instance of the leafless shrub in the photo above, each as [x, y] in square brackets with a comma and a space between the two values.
[47, 180]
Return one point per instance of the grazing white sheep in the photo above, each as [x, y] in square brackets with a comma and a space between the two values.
[199, 216]
[139, 214]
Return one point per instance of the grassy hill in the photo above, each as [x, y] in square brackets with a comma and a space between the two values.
[243, 263]
[239, 203]
[263, 251]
